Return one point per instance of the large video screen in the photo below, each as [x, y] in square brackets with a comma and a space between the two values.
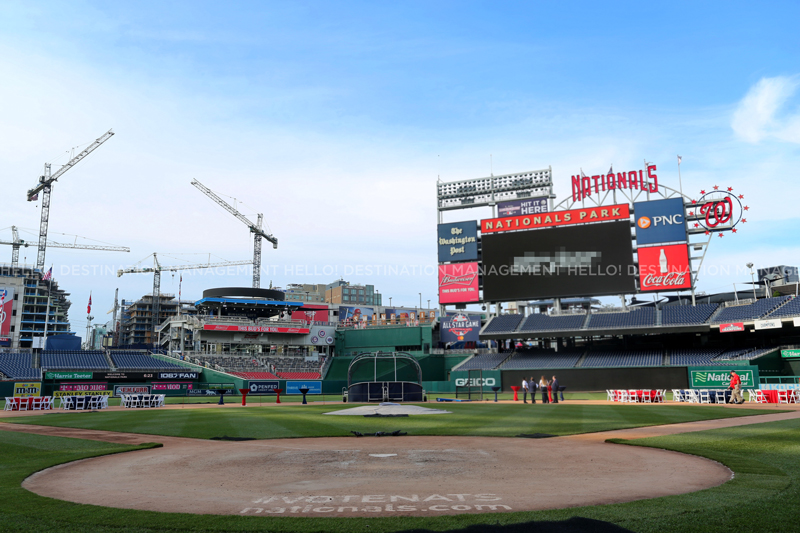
[590, 260]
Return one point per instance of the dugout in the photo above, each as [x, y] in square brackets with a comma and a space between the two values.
[384, 377]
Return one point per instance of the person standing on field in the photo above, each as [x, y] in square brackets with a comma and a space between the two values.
[524, 391]
[554, 387]
[532, 386]
[736, 388]
[543, 387]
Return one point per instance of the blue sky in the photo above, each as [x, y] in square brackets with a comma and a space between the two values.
[335, 119]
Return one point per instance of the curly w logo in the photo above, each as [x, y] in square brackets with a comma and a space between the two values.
[702, 377]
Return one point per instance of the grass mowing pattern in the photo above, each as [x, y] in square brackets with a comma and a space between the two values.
[764, 493]
[490, 420]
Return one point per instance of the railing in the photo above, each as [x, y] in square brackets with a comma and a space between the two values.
[476, 351]
[611, 310]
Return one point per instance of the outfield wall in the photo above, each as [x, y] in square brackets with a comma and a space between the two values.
[597, 379]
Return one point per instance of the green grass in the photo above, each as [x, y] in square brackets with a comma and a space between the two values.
[484, 419]
[764, 496]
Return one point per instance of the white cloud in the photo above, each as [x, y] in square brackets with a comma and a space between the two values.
[757, 115]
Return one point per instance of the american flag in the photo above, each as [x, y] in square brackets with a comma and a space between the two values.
[48, 275]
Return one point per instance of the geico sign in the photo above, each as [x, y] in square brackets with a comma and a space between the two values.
[646, 222]
[475, 382]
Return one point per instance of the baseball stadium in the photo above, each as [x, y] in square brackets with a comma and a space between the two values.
[571, 378]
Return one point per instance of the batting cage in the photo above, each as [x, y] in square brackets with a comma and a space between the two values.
[384, 377]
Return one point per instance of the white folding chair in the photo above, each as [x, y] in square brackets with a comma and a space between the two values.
[692, 396]
[622, 396]
[760, 398]
[719, 396]
[662, 396]
[123, 400]
[80, 403]
[677, 395]
[9, 406]
[23, 404]
[134, 401]
[647, 396]
[705, 396]
[783, 396]
[632, 396]
[751, 395]
[50, 402]
[609, 395]
[796, 395]
[103, 402]
[36, 404]
[161, 398]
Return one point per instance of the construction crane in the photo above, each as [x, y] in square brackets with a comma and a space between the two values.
[114, 320]
[157, 268]
[16, 243]
[45, 185]
[256, 229]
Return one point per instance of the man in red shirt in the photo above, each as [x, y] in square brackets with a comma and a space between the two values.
[736, 386]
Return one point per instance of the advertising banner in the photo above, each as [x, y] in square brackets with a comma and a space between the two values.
[491, 378]
[768, 324]
[293, 387]
[312, 313]
[458, 241]
[162, 387]
[62, 393]
[82, 386]
[720, 377]
[178, 375]
[355, 313]
[664, 268]
[458, 283]
[660, 221]
[130, 389]
[254, 329]
[400, 314]
[588, 260]
[732, 327]
[458, 327]
[67, 375]
[27, 389]
[6, 305]
[531, 206]
[263, 387]
[790, 353]
[210, 392]
[556, 218]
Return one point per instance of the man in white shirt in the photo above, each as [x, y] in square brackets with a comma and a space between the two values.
[524, 391]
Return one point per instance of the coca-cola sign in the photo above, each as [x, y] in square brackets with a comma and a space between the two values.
[458, 283]
[664, 268]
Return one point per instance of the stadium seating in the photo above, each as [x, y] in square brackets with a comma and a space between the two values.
[299, 375]
[541, 359]
[635, 318]
[256, 375]
[753, 311]
[486, 361]
[792, 308]
[19, 366]
[74, 360]
[543, 322]
[503, 324]
[134, 360]
[693, 357]
[675, 315]
[621, 357]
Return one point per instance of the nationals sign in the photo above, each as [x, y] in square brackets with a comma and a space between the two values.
[458, 283]
[255, 329]
[556, 218]
[664, 268]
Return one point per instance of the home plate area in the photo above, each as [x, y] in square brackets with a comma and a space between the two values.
[409, 475]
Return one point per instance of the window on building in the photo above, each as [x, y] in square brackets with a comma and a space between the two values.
[345, 291]
[360, 291]
[346, 298]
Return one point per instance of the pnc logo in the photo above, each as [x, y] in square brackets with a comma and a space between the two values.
[663, 220]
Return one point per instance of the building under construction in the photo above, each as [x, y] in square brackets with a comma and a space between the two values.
[28, 300]
[136, 324]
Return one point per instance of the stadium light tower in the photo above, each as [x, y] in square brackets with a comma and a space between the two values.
[753, 279]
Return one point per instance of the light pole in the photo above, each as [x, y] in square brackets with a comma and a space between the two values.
[390, 301]
[420, 300]
[752, 278]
